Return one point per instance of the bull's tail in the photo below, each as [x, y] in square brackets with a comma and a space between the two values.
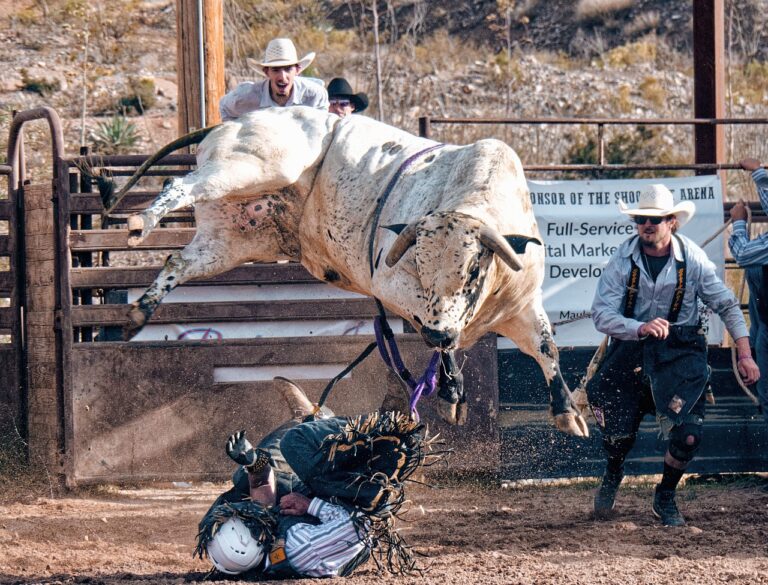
[106, 186]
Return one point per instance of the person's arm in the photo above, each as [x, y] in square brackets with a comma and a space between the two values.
[607, 305]
[759, 176]
[748, 252]
[718, 297]
[262, 484]
[242, 99]
[322, 550]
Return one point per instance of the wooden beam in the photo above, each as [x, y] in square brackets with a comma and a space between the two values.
[102, 240]
[6, 283]
[7, 317]
[133, 202]
[99, 315]
[194, 98]
[709, 79]
[143, 276]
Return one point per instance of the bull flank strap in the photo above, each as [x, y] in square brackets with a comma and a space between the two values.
[387, 192]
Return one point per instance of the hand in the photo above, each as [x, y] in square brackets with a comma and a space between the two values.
[294, 504]
[748, 369]
[739, 211]
[240, 450]
[750, 164]
[657, 327]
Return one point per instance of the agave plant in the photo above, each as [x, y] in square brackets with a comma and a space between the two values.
[115, 136]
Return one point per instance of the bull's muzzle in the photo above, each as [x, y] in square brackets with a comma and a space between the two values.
[440, 338]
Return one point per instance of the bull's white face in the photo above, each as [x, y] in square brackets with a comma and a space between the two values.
[451, 265]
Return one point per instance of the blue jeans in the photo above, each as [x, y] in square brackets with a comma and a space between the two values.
[758, 334]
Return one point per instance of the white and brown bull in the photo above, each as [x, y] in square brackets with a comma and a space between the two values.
[436, 246]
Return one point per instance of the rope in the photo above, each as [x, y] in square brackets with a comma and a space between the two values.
[426, 384]
[390, 355]
[385, 338]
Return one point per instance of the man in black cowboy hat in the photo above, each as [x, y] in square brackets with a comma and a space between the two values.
[343, 100]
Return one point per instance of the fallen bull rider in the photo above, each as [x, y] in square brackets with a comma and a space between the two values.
[317, 497]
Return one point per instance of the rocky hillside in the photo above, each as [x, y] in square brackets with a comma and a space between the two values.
[109, 68]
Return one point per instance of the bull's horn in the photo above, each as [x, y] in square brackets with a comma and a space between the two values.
[106, 188]
[493, 240]
[405, 240]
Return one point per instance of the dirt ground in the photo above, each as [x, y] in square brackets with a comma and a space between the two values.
[467, 533]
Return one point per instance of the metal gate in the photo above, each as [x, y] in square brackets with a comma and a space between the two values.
[11, 396]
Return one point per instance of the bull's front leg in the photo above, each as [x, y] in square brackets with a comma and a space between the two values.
[172, 274]
[531, 332]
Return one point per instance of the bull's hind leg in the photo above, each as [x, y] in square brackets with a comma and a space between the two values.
[203, 256]
[174, 195]
[215, 182]
[531, 332]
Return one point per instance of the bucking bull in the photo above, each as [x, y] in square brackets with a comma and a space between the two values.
[442, 235]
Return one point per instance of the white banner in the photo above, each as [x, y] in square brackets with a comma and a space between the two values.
[581, 226]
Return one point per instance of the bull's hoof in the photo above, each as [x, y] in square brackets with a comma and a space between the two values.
[572, 424]
[135, 223]
[461, 413]
[136, 321]
[580, 400]
[137, 230]
[447, 411]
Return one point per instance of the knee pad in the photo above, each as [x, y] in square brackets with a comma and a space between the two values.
[684, 439]
[618, 447]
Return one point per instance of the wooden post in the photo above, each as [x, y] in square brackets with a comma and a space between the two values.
[199, 91]
[709, 79]
[43, 419]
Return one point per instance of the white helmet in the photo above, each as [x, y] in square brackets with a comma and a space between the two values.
[233, 550]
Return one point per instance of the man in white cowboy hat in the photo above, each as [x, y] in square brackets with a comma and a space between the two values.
[282, 87]
[656, 363]
[753, 256]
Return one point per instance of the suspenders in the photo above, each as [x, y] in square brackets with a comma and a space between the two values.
[633, 285]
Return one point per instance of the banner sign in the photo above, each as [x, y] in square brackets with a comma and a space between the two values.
[582, 227]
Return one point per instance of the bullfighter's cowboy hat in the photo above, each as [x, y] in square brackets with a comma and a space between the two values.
[657, 201]
[281, 53]
[340, 88]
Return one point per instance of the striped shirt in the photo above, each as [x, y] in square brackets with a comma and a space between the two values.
[323, 550]
[745, 251]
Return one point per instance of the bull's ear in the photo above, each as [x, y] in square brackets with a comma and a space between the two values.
[518, 243]
[395, 227]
